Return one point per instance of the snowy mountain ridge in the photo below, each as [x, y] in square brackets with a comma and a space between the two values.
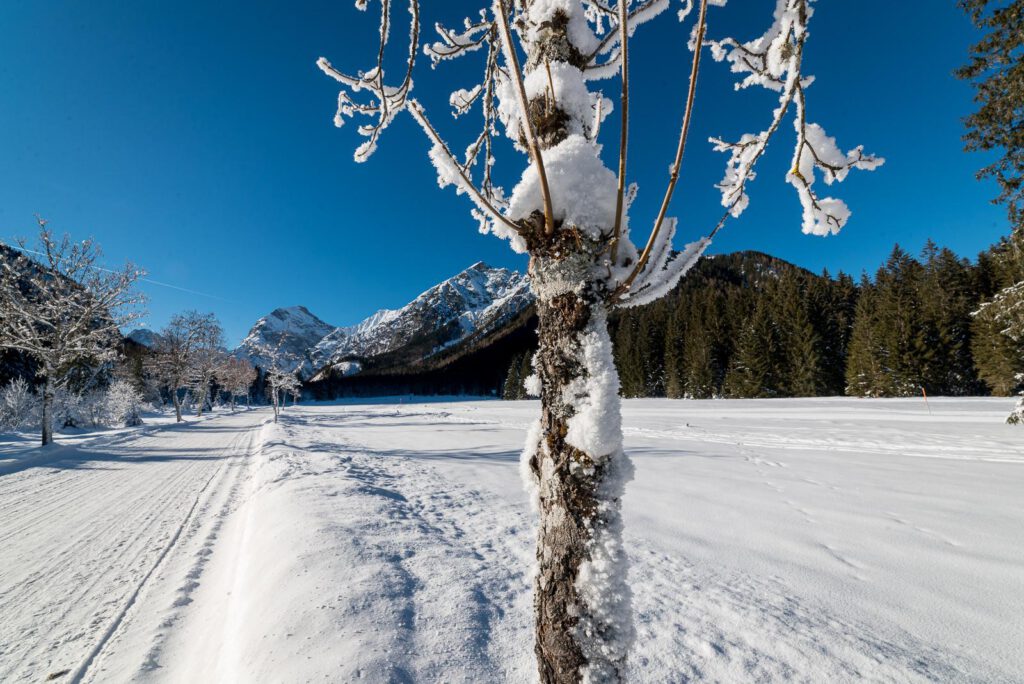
[478, 300]
[145, 337]
[292, 330]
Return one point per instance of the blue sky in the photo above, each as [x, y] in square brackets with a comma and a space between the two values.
[196, 140]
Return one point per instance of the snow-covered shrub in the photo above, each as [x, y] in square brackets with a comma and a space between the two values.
[92, 409]
[1016, 416]
[68, 409]
[18, 405]
[123, 405]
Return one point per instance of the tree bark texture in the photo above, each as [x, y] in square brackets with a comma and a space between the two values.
[47, 430]
[581, 600]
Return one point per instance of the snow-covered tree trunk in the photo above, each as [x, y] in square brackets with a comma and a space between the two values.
[577, 470]
[47, 421]
[201, 404]
[576, 463]
[569, 212]
[177, 405]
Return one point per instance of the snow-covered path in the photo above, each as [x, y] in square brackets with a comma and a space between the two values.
[86, 537]
[790, 540]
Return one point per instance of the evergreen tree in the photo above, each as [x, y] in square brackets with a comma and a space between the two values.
[698, 360]
[801, 373]
[513, 388]
[755, 368]
[947, 297]
[650, 350]
[996, 70]
[864, 373]
[899, 325]
[627, 356]
[998, 328]
[675, 334]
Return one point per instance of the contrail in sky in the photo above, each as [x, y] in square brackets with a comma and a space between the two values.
[145, 280]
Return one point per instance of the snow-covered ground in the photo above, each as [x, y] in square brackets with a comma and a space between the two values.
[808, 540]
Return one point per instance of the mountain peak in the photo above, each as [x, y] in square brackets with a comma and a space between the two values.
[293, 330]
[145, 337]
[473, 301]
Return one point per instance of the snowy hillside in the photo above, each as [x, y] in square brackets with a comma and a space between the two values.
[479, 299]
[810, 540]
[294, 330]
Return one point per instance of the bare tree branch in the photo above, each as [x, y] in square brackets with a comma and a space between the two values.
[513, 62]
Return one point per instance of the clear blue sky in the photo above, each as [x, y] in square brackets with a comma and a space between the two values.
[195, 138]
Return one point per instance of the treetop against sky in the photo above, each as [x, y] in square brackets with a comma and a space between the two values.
[196, 140]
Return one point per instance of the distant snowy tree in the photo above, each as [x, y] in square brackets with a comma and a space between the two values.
[186, 339]
[236, 376]
[208, 356]
[280, 384]
[123, 404]
[280, 381]
[18, 405]
[70, 409]
[570, 213]
[64, 309]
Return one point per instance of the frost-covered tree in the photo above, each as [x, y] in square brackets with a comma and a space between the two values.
[208, 356]
[64, 310]
[123, 404]
[186, 338]
[18, 405]
[236, 377]
[544, 63]
[280, 381]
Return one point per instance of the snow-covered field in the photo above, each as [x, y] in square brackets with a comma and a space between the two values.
[808, 540]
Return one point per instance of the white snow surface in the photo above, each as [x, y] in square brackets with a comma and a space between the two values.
[770, 540]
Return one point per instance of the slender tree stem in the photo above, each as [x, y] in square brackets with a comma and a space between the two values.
[683, 131]
[624, 135]
[531, 139]
[416, 109]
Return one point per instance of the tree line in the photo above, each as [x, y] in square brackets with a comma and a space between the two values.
[751, 325]
[61, 317]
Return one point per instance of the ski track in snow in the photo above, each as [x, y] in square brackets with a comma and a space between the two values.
[84, 536]
[828, 540]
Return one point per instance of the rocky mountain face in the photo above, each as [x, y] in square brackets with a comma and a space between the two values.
[467, 306]
[441, 322]
[144, 337]
[292, 332]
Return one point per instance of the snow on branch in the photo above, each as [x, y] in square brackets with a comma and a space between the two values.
[665, 270]
[385, 101]
[642, 14]
[774, 61]
[451, 172]
[452, 45]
